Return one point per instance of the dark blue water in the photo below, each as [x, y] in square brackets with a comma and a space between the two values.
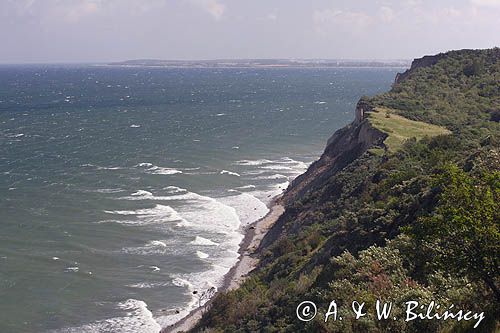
[122, 190]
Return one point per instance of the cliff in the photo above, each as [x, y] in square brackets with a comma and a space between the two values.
[344, 146]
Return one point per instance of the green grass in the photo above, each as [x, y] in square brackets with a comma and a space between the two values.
[401, 129]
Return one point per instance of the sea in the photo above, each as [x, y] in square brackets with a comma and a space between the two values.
[125, 189]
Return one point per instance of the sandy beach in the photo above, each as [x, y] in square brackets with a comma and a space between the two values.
[248, 261]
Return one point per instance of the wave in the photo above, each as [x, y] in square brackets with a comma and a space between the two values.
[252, 162]
[225, 172]
[157, 215]
[200, 282]
[248, 207]
[246, 187]
[150, 248]
[157, 170]
[109, 190]
[141, 193]
[202, 255]
[277, 167]
[203, 241]
[148, 285]
[136, 318]
[274, 176]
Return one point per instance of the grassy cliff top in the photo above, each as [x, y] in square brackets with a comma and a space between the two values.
[400, 129]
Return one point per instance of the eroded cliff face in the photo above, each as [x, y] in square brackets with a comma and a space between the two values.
[344, 146]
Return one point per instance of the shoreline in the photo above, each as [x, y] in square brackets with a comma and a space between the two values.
[247, 262]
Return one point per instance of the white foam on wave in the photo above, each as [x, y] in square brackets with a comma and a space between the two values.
[73, 269]
[196, 211]
[157, 243]
[203, 241]
[231, 173]
[274, 176]
[202, 255]
[109, 190]
[248, 207]
[157, 170]
[277, 167]
[109, 168]
[178, 195]
[150, 248]
[200, 282]
[159, 214]
[149, 285]
[272, 171]
[136, 318]
[252, 162]
[267, 195]
[246, 187]
[163, 171]
[141, 193]
[175, 189]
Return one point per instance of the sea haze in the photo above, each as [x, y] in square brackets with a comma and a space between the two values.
[122, 190]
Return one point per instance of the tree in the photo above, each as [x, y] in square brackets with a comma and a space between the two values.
[464, 230]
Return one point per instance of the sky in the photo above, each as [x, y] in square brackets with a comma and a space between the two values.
[55, 31]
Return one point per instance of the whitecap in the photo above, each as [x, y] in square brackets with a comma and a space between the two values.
[277, 167]
[136, 318]
[109, 190]
[144, 165]
[148, 285]
[202, 255]
[72, 269]
[163, 171]
[252, 162]
[248, 207]
[142, 193]
[157, 243]
[275, 176]
[245, 187]
[203, 241]
[157, 170]
[157, 215]
[225, 172]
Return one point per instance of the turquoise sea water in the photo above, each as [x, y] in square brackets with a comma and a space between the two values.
[122, 190]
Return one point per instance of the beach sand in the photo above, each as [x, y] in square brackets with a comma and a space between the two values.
[247, 262]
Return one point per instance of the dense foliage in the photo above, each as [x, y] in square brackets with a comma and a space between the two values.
[420, 223]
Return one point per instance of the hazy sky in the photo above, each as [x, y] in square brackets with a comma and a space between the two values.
[110, 30]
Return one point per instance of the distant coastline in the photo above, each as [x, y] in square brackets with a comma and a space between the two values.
[262, 63]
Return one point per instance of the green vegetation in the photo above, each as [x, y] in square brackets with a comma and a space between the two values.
[464, 230]
[419, 221]
[400, 129]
